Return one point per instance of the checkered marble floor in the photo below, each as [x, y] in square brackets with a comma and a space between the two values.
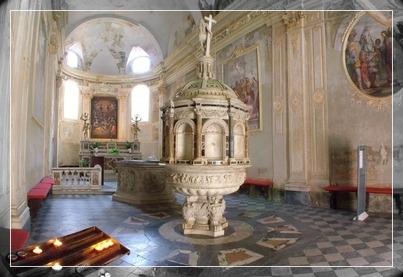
[248, 272]
[260, 233]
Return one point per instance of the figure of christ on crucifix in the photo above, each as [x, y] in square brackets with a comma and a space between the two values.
[205, 34]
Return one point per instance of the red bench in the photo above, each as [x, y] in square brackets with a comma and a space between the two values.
[265, 184]
[48, 181]
[336, 188]
[36, 196]
[18, 238]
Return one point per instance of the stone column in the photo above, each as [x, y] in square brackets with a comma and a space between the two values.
[247, 138]
[198, 133]
[171, 134]
[231, 135]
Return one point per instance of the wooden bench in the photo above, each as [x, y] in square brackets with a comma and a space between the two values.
[334, 189]
[36, 196]
[265, 184]
[19, 237]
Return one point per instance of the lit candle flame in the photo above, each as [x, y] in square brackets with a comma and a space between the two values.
[57, 267]
[37, 250]
[57, 243]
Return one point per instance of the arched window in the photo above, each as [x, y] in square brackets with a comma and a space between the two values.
[72, 59]
[138, 61]
[140, 102]
[74, 56]
[70, 100]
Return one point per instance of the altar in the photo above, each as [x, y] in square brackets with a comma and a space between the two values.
[142, 182]
[109, 152]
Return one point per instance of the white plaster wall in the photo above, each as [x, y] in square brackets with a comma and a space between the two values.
[5, 115]
[352, 124]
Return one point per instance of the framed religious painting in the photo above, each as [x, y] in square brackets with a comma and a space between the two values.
[241, 71]
[104, 117]
[367, 57]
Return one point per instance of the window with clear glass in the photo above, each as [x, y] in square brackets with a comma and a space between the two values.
[70, 100]
[140, 97]
[138, 61]
[72, 59]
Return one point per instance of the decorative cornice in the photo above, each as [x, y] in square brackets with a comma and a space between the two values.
[234, 26]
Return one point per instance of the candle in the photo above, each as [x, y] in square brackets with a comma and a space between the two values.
[99, 247]
[37, 250]
[57, 243]
[110, 242]
[57, 267]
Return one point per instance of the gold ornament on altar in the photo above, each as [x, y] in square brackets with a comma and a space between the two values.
[86, 126]
[135, 126]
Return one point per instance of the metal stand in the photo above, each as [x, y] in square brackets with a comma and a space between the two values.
[361, 178]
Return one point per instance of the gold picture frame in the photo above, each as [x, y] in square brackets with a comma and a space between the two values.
[241, 71]
[367, 58]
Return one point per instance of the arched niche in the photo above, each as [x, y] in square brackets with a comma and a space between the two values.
[215, 140]
[184, 140]
[239, 140]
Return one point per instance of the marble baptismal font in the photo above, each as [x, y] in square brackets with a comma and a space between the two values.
[205, 144]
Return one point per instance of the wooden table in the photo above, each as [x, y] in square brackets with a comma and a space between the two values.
[77, 249]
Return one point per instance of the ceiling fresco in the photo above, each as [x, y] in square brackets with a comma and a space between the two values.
[104, 44]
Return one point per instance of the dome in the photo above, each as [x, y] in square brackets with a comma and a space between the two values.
[204, 88]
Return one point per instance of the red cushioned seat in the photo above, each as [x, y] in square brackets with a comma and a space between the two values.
[257, 182]
[38, 193]
[341, 188]
[18, 238]
[43, 186]
[379, 190]
[48, 181]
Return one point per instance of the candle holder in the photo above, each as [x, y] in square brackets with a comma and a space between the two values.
[22, 254]
[12, 257]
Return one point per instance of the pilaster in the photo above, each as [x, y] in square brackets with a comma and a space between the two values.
[307, 106]
[298, 102]
[279, 96]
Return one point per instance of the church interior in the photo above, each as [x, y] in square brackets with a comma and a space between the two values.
[202, 140]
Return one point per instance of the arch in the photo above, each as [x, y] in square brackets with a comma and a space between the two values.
[214, 139]
[239, 140]
[138, 62]
[184, 140]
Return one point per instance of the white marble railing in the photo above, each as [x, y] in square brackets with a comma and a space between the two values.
[77, 180]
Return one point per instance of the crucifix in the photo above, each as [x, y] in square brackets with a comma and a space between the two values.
[205, 34]
[209, 34]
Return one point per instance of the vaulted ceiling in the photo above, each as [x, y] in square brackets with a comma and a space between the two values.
[116, 26]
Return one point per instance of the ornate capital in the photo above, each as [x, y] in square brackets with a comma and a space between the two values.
[122, 96]
[292, 19]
